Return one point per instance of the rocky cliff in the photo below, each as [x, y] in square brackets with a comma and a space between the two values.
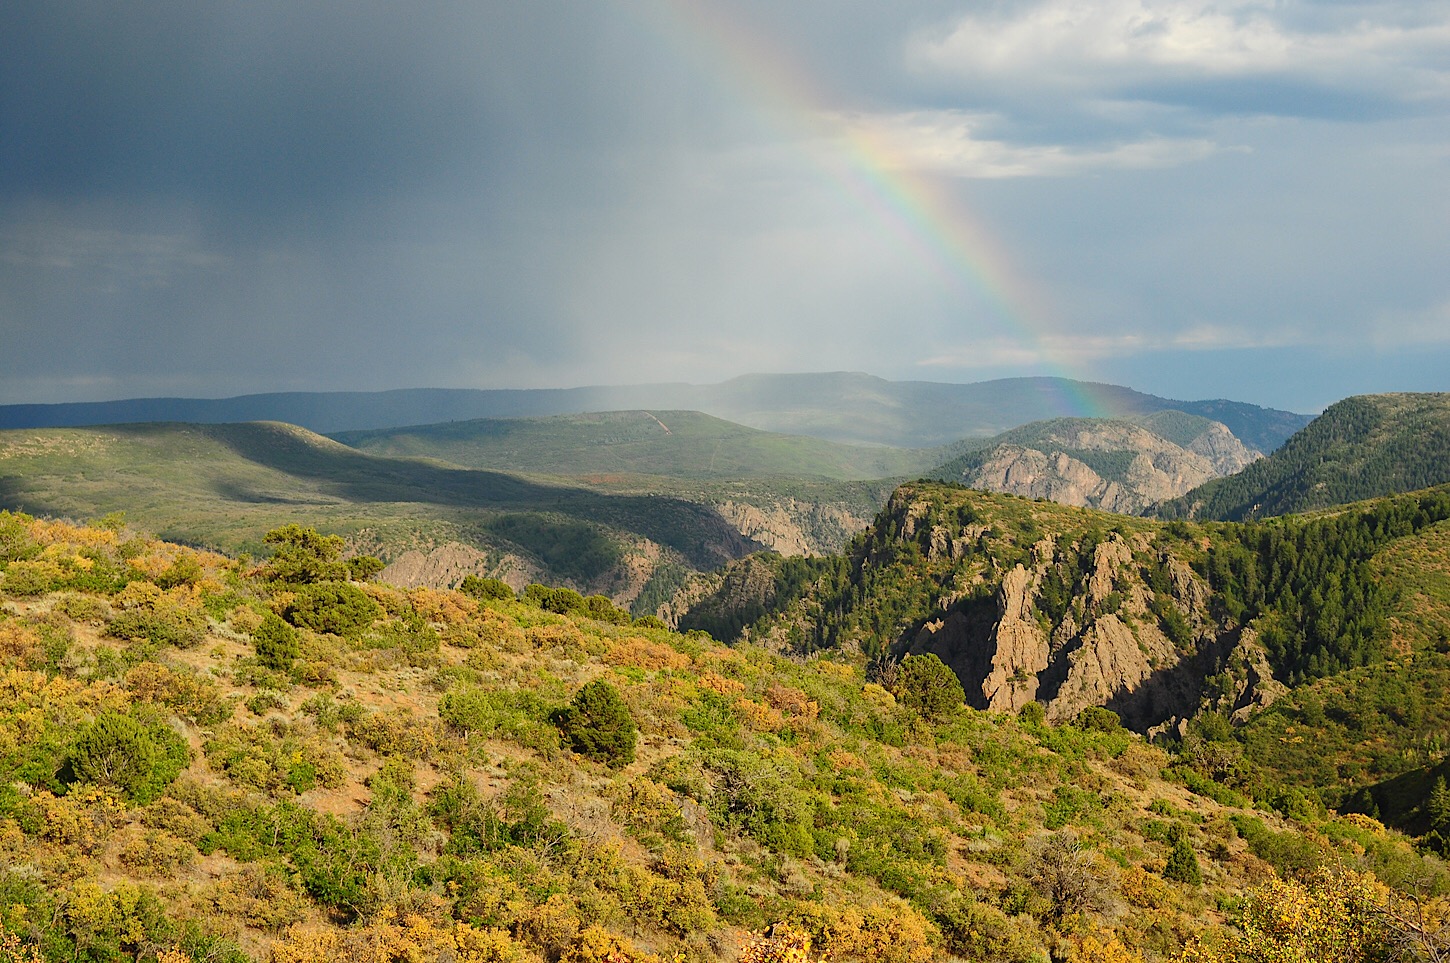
[1116, 466]
[1026, 601]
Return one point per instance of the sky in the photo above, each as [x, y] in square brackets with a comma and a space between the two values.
[1246, 199]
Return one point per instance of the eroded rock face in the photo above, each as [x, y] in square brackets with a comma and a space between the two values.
[1056, 466]
[1018, 645]
[1223, 450]
[1107, 649]
[791, 526]
[446, 565]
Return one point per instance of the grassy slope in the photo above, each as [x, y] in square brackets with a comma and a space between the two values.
[674, 444]
[1362, 447]
[404, 788]
[222, 485]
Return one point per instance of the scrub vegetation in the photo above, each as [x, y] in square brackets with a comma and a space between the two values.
[283, 761]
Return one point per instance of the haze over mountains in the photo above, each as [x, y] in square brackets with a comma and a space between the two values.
[841, 406]
[566, 498]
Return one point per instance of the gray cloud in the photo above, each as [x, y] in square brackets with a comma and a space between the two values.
[212, 198]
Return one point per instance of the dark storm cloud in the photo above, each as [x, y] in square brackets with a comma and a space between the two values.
[213, 198]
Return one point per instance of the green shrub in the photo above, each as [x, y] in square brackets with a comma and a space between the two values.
[138, 758]
[27, 578]
[180, 626]
[1098, 719]
[303, 556]
[598, 725]
[601, 608]
[275, 642]
[15, 541]
[558, 600]
[333, 607]
[928, 686]
[484, 589]
[1182, 863]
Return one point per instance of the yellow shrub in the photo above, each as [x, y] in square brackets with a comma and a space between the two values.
[396, 732]
[595, 944]
[258, 898]
[761, 718]
[644, 654]
[718, 683]
[138, 595]
[392, 601]
[1335, 916]
[785, 944]
[792, 702]
[1367, 823]
[308, 944]
[18, 644]
[14, 951]
[414, 939]
[155, 852]
[561, 636]
[877, 696]
[882, 933]
[1102, 946]
[63, 533]
[83, 817]
[189, 695]
[1145, 889]
[443, 607]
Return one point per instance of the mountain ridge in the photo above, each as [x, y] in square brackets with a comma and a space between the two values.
[838, 406]
[1364, 446]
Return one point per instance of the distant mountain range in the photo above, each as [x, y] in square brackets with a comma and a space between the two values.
[842, 406]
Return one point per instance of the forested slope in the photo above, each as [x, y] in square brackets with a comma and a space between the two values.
[1362, 447]
[1265, 625]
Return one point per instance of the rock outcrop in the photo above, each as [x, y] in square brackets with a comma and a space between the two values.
[1112, 465]
[446, 565]
[792, 526]
[1108, 649]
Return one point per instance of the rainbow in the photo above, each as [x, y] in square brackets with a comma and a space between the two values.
[928, 222]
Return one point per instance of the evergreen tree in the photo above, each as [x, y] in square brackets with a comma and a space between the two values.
[1182, 862]
[598, 725]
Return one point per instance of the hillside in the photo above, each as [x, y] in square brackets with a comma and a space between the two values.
[1362, 447]
[210, 760]
[1268, 624]
[846, 407]
[671, 444]
[1116, 466]
[219, 485]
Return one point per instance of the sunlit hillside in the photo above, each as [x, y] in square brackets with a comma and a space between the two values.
[208, 759]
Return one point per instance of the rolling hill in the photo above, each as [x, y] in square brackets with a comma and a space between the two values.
[669, 444]
[851, 408]
[223, 485]
[1361, 447]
